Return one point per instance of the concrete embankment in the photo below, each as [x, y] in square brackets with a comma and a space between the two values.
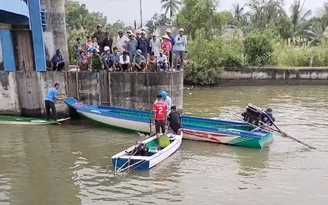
[273, 76]
[23, 92]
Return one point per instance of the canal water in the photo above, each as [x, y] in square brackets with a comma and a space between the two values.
[68, 164]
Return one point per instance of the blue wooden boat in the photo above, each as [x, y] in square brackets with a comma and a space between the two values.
[129, 159]
[230, 132]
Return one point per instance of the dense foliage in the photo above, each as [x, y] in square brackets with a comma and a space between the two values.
[261, 33]
[80, 22]
[264, 36]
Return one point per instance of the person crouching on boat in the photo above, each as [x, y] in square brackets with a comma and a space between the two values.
[267, 117]
[167, 100]
[174, 120]
[51, 96]
[160, 110]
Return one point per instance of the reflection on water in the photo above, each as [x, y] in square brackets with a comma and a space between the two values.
[4, 190]
[68, 164]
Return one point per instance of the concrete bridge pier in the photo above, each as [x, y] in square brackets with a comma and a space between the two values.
[55, 32]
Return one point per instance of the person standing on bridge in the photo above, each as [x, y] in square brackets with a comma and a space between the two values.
[51, 96]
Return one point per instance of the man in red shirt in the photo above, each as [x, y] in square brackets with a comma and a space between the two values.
[160, 112]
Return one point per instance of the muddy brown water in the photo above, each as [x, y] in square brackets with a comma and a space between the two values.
[43, 165]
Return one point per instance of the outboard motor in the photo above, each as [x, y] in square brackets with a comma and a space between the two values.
[252, 114]
[140, 150]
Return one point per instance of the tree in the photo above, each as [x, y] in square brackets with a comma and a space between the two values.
[78, 17]
[238, 18]
[201, 15]
[80, 22]
[284, 28]
[315, 33]
[171, 7]
[157, 20]
[258, 48]
[299, 17]
[206, 58]
[265, 12]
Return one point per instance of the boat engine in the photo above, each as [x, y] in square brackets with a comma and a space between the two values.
[140, 150]
[252, 114]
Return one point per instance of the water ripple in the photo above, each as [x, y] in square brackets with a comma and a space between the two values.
[5, 187]
[70, 164]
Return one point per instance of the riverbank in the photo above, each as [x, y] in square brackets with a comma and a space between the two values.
[273, 76]
[22, 92]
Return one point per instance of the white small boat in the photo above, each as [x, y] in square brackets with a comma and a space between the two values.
[128, 159]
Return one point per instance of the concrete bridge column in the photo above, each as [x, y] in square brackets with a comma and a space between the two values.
[55, 33]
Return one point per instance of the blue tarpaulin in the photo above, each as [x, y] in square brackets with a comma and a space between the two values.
[14, 12]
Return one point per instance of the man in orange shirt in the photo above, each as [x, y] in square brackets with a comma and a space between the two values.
[160, 112]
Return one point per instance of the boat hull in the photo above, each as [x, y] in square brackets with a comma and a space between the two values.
[11, 120]
[121, 160]
[195, 128]
[188, 133]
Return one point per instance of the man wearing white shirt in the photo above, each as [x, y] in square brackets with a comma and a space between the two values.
[121, 41]
[180, 48]
[125, 64]
[155, 44]
[162, 61]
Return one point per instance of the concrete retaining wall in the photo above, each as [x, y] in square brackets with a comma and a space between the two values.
[131, 89]
[272, 76]
[9, 103]
[23, 92]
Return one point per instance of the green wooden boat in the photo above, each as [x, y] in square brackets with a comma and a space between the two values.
[17, 120]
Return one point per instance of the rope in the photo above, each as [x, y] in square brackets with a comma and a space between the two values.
[128, 161]
[77, 84]
[150, 112]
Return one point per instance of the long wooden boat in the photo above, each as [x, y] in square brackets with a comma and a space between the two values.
[14, 120]
[195, 128]
[132, 158]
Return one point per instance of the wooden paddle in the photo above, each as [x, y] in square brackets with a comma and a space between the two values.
[284, 134]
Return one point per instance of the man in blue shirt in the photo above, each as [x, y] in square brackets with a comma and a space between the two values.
[143, 44]
[267, 117]
[51, 96]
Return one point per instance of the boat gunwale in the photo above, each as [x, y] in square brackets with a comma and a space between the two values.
[207, 130]
[177, 140]
[102, 107]
[187, 127]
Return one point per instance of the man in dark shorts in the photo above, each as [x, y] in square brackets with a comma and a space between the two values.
[174, 120]
[51, 96]
[160, 112]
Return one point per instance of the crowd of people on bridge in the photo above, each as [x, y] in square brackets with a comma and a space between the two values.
[134, 51]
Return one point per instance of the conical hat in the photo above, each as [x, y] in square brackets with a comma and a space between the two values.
[166, 36]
